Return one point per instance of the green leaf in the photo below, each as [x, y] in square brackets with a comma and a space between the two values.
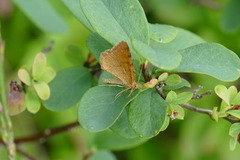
[97, 45]
[236, 99]
[39, 66]
[232, 143]
[163, 58]
[68, 87]
[232, 92]
[102, 154]
[123, 127]
[184, 97]
[75, 8]
[184, 39]
[163, 77]
[48, 75]
[223, 93]
[162, 33]
[43, 15]
[173, 79]
[32, 101]
[121, 20]
[229, 21]
[112, 141]
[211, 59]
[42, 89]
[147, 113]
[173, 98]
[183, 83]
[235, 113]
[234, 130]
[100, 107]
[24, 76]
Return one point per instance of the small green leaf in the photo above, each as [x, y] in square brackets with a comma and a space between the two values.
[183, 83]
[234, 130]
[173, 79]
[171, 97]
[32, 101]
[39, 66]
[232, 143]
[232, 91]
[223, 93]
[163, 77]
[106, 155]
[68, 87]
[184, 97]
[212, 59]
[42, 89]
[147, 113]
[43, 15]
[48, 75]
[100, 107]
[166, 59]
[235, 113]
[123, 127]
[236, 99]
[24, 76]
[162, 33]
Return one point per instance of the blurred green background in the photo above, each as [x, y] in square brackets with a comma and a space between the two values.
[197, 137]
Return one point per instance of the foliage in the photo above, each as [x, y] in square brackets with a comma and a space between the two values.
[119, 118]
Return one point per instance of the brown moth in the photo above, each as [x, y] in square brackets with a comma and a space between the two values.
[118, 62]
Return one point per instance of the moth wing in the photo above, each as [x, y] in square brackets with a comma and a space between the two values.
[118, 62]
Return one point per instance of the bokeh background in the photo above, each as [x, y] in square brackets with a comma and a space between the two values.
[197, 137]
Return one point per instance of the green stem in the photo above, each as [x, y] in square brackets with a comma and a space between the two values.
[6, 124]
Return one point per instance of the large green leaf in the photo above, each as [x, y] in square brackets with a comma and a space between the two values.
[117, 20]
[68, 87]
[112, 141]
[123, 127]
[229, 20]
[160, 57]
[183, 39]
[43, 15]
[147, 113]
[102, 154]
[211, 59]
[75, 8]
[162, 33]
[101, 106]
[97, 45]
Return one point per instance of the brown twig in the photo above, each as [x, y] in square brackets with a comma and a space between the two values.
[44, 134]
[208, 112]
